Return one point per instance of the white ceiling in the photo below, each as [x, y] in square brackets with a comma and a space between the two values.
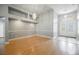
[42, 8]
[35, 8]
[63, 8]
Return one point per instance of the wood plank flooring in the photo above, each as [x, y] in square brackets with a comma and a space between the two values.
[35, 45]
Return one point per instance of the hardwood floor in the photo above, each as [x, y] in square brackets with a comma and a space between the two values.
[35, 45]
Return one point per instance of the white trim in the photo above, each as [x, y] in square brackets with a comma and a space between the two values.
[30, 36]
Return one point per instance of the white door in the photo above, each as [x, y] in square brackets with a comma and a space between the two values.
[2, 30]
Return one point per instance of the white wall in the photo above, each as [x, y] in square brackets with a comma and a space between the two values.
[55, 25]
[45, 24]
[78, 21]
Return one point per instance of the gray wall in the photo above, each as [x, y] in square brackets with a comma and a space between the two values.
[18, 28]
[4, 12]
[45, 24]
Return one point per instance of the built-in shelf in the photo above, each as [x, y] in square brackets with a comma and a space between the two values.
[11, 16]
[17, 14]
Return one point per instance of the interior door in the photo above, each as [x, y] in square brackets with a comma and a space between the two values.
[2, 34]
[2, 30]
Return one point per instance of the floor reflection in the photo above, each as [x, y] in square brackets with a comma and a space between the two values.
[67, 46]
[71, 48]
[62, 46]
